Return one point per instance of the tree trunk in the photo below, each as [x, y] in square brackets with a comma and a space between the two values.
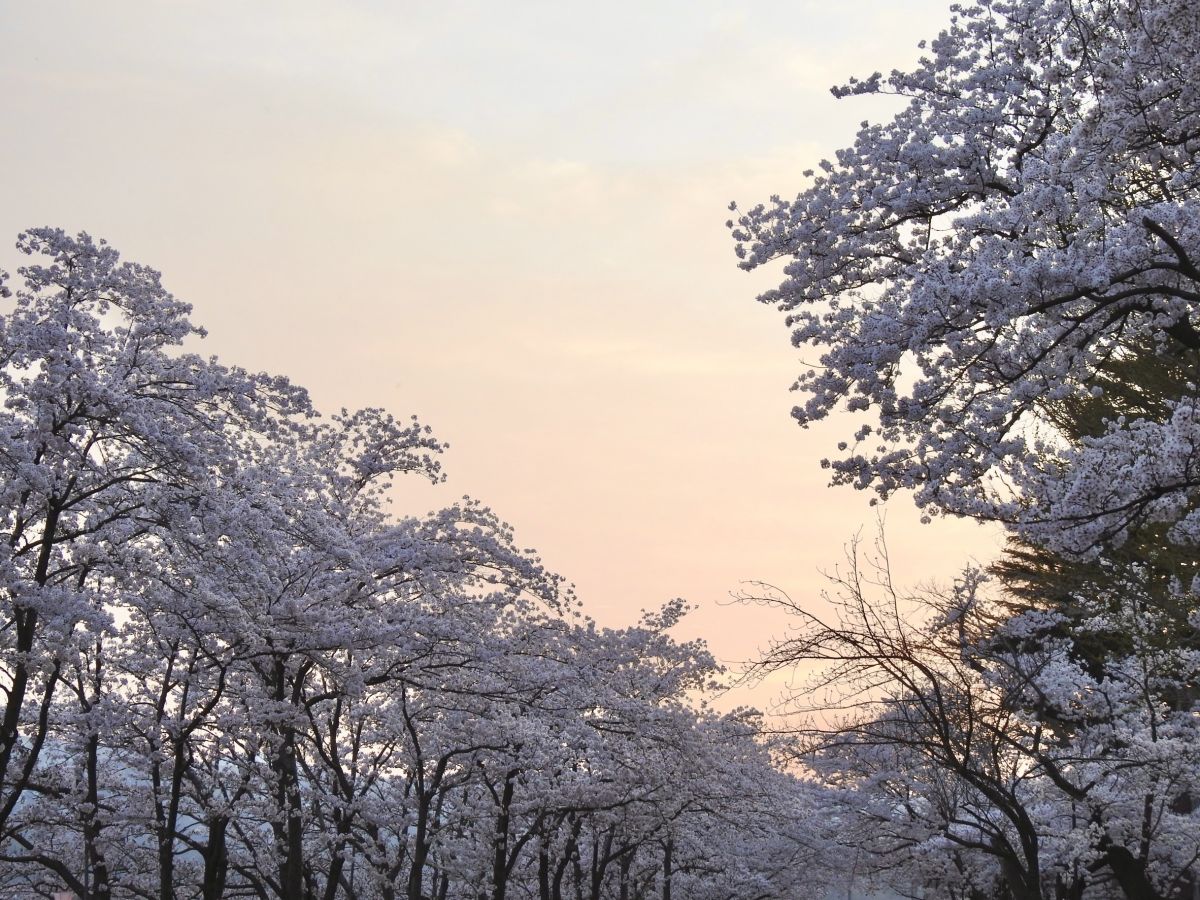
[500, 866]
[216, 859]
[1130, 873]
[96, 864]
[668, 852]
[416, 873]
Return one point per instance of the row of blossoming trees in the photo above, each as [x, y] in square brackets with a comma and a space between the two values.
[1003, 285]
[228, 672]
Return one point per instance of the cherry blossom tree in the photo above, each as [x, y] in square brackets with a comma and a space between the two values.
[1000, 284]
[974, 751]
[230, 670]
[1018, 231]
[109, 437]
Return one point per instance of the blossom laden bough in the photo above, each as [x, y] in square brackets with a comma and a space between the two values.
[1031, 216]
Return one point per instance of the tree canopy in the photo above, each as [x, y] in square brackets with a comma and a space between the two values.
[228, 670]
[1001, 285]
[1021, 227]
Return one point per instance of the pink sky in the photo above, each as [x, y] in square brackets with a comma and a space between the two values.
[507, 218]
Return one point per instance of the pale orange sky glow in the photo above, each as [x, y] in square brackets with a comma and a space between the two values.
[508, 219]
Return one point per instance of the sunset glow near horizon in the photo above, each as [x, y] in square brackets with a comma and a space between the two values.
[509, 220]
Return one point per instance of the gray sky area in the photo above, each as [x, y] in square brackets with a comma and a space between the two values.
[509, 219]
